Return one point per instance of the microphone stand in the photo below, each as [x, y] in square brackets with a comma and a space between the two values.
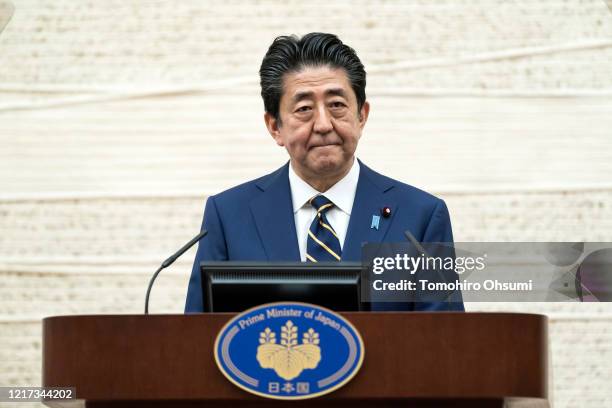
[169, 262]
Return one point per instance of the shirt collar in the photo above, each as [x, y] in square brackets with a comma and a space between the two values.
[342, 194]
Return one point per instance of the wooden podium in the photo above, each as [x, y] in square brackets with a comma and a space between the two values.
[411, 360]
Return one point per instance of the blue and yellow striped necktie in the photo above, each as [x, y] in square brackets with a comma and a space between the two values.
[323, 243]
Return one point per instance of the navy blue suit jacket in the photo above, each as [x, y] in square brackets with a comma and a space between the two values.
[255, 222]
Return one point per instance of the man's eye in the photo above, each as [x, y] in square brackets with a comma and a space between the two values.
[303, 109]
[337, 104]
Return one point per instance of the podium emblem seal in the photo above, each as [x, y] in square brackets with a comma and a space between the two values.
[289, 351]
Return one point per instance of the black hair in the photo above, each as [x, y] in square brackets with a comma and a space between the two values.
[291, 54]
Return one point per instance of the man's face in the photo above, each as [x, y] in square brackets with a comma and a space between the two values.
[320, 124]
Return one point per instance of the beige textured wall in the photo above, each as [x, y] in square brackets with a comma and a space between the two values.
[118, 118]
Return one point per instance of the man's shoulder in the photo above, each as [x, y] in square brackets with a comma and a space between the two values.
[242, 193]
[399, 189]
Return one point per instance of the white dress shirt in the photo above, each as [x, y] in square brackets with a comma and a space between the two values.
[342, 194]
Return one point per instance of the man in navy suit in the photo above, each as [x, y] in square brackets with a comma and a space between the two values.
[321, 204]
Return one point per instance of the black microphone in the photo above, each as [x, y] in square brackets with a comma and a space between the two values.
[422, 251]
[169, 262]
[416, 244]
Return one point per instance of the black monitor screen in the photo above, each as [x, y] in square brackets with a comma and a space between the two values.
[237, 286]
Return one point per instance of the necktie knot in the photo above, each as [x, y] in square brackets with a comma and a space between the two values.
[321, 203]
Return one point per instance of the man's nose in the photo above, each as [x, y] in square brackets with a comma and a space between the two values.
[322, 123]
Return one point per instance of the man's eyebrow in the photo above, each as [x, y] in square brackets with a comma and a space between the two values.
[308, 94]
[335, 92]
[302, 95]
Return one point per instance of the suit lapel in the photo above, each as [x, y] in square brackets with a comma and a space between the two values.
[273, 214]
[370, 197]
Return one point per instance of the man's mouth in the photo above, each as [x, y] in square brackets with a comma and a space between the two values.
[325, 145]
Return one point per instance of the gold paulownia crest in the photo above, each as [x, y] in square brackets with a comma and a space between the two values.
[288, 359]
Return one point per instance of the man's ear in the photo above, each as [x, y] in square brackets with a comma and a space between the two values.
[363, 114]
[274, 128]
